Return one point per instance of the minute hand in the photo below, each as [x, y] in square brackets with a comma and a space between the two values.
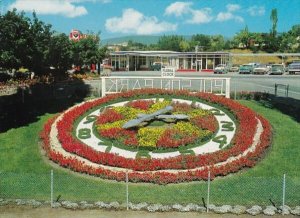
[146, 117]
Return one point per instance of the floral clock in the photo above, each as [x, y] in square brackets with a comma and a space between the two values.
[158, 136]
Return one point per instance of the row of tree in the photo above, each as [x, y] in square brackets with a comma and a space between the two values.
[198, 42]
[32, 44]
[268, 42]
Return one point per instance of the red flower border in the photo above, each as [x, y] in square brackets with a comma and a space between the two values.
[145, 170]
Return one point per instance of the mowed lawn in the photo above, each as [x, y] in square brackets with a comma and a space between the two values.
[24, 173]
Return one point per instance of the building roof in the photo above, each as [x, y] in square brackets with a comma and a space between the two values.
[164, 53]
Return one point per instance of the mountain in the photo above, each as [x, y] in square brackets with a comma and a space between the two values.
[136, 38]
[141, 39]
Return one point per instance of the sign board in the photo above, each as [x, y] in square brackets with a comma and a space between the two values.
[168, 72]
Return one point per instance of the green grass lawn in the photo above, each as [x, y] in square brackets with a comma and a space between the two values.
[24, 173]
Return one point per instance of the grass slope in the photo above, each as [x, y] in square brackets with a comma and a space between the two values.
[24, 173]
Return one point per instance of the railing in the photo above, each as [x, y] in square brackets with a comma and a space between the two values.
[56, 187]
[218, 86]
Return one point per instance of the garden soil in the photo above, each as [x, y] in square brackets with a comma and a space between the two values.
[46, 212]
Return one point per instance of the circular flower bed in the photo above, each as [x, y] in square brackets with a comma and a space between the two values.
[78, 138]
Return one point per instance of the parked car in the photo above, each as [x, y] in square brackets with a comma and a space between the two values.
[246, 69]
[221, 68]
[156, 66]
[294, 67]
[254, 64]
[277, 69]
[234, 68]
[261, 69]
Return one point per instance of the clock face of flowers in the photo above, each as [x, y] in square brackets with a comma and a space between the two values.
[159, 139]
[161, 136]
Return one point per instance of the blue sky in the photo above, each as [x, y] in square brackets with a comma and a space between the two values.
[115, 18]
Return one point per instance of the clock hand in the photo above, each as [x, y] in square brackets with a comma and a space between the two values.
[146, 117]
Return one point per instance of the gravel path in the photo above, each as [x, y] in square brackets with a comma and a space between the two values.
[46, 212]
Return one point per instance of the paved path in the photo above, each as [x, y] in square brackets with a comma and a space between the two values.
[46, 212]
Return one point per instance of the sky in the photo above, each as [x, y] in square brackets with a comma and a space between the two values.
[115, 18]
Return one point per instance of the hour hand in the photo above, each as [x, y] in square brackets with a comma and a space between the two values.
[131, 123]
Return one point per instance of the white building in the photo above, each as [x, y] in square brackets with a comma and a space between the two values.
[182, 61]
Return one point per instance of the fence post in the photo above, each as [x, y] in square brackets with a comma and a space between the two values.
[235, 92]
[99, 89]
[283, 193]
[51, 197]
[0, 182]
[208, 191]
[227, 91]
[103, 86]
[127, 194]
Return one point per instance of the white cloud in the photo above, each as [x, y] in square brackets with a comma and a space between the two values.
[256, 10]
[94, 1]
[133, 21]
[229, 15]
[232, 7]
[53, 7]
[67, 8]
[200, 16]
[225, 16]
[178, 8]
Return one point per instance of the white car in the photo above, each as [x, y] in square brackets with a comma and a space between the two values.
[261, 69]
[294, 67]
[277, 69]
[221, 68]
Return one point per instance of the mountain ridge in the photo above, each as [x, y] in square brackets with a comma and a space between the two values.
[144, 39]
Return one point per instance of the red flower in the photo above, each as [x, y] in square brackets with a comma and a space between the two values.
[206, 122]
[143, 169]
[109, 116]
[140, 104]
[172, 138]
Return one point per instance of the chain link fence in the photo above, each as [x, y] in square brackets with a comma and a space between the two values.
[235, 190]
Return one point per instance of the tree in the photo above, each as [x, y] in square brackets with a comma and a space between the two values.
[170, 43]
[136, 46]
[290, 41]
[85, 51]
[15, 49]
[102, 53]
[274, 20]
[217, 43]
[60, 52]
[201, 40]
[40, 36]
[243, 38]
[23, 42]
[257, 41]
[184, 46]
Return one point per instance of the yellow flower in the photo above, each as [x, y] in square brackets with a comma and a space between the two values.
[129, 112]
[158, 106]
[148, 136]
[198, 112]
[115, 124]
[187, 128]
